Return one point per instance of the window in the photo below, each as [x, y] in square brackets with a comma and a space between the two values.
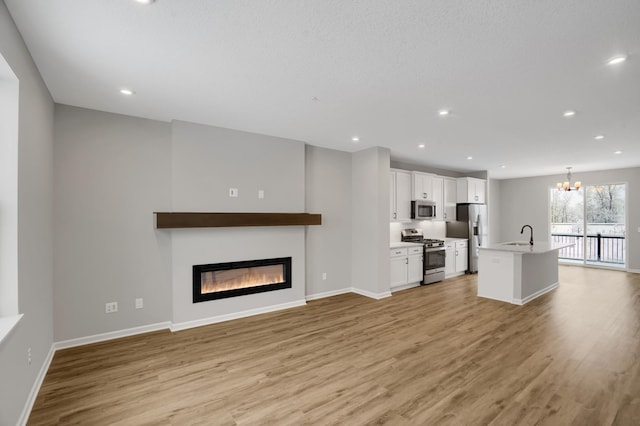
[593, 219]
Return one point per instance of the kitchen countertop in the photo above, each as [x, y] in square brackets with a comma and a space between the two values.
[401, 244]
[541, 247]
[447, 239]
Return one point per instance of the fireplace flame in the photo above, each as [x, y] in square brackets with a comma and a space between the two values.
[214, 281]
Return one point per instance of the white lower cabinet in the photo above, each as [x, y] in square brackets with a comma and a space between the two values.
[406, 266]
[456, 262]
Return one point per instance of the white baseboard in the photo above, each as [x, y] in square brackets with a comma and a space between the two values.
[634, 271]
[111, 335]
[404, 287]
[28, 406]
[220, 318]
[328, 294]
[376, 296]
[536, 294]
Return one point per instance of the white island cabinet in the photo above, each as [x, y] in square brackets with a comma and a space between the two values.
[518, 272]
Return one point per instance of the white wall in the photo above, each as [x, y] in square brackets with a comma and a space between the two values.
[494, 204]
[35, 236]
[206, 162]
[370, 213]
[111, 173]
[526, 201]
[328, 191]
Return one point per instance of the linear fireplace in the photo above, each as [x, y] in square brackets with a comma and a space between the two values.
[222, 280]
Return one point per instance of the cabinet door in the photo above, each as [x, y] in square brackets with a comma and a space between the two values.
[480, 190]
[415, 269]
[450, 260]
[437, 185]
[398, 271]
[422, 186]
[461, 259]
[403, 196]
[450, 196]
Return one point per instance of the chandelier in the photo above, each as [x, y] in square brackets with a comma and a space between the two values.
[566, 186]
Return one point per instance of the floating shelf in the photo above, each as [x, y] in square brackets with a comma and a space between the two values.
[166, 220]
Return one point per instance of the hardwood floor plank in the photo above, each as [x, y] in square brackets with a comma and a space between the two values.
[428, 355]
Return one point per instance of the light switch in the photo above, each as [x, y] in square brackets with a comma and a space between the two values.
[233, 192]
[260, 193]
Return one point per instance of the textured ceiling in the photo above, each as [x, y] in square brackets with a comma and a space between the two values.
[379, 70]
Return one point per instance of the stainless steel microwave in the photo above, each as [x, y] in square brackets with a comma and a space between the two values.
[423, 210]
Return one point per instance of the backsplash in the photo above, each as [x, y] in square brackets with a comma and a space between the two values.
[430, 228]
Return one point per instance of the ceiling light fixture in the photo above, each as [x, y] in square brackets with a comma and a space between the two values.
[355, 139]
[145, 1]
[443, 112]
[569, 113]
[127, 92]
[599, 137]
[503, 166]
[618, 152]
[566, 186]
[469, 158]
[421, 145]
[617, 60]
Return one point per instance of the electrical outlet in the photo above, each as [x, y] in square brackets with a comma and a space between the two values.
[324, 275]
[261, 193]
[29, 356]
[233, 192]
[111, 307]
[139, 303]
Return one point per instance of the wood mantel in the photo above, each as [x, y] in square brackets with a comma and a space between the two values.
[166, 220]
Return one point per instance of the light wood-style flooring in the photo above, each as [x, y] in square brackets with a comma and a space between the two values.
[432, 355]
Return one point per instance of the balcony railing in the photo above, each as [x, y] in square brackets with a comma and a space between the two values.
[599, 248]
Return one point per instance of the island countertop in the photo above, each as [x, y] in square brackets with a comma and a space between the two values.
[525, 247]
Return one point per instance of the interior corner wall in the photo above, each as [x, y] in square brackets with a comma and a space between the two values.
[526, 201]
[34, 229]
[111, 173]
[494, 206]
[370, 221]
[328, 192]
[206, 162]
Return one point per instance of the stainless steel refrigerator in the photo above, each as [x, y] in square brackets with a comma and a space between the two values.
[472, 224]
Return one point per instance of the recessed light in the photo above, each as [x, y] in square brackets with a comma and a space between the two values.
[469, 158]
[355, 139]
[503, 166]
[443, 112]
[145, 1]
[127, 92]
[569, 113]
[617, 60]
[421, 145]
[599, 137]
[618, 152]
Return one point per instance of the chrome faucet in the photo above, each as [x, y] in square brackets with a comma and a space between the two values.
[522, 232]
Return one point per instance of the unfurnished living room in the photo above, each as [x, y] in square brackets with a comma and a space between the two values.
[302, 212]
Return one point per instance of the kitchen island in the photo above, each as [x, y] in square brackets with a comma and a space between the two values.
[518, 272]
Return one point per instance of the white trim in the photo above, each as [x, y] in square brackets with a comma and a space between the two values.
[80, 341]
[404, 287]
[376, 296]
[328, 293]
[28, 406]
[242, 314]
[536, 294]
[7, 324]
[634, 271]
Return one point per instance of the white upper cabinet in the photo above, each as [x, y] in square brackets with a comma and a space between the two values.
[422, 186]
[450, 188]
[471, 190]
[400, 196]
[437, 185]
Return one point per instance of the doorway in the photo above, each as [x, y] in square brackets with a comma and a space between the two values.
[593, 219]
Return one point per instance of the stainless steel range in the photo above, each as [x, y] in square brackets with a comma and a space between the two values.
[434, 254]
